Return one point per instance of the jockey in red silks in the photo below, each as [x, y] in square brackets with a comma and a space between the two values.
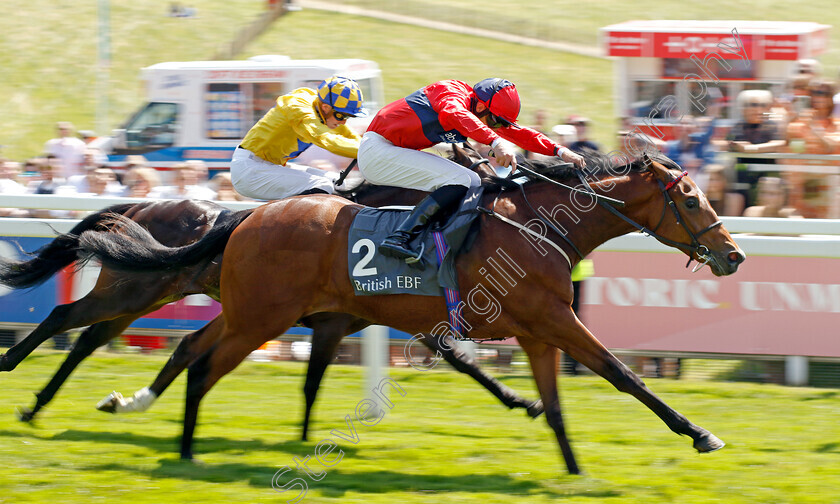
[446, 111]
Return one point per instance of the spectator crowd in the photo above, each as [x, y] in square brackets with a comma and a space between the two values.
[802, 124]
[72, 167]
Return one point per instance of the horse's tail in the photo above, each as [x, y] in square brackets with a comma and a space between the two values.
[128, 246]
[55, 255]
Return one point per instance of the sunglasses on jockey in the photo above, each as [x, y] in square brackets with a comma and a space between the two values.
[495, 121]
[341, 116]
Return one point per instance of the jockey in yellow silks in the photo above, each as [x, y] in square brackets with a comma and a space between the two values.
[261, 167]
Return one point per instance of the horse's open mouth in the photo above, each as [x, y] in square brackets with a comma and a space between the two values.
[723, 263]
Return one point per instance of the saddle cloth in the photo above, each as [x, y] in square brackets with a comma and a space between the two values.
[372, 273]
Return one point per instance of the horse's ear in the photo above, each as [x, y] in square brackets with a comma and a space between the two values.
[654, 167]
[648, 161]
[458, 154]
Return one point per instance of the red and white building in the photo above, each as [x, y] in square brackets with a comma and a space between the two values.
[698, 61]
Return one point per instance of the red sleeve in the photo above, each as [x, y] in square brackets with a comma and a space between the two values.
[529, 139]
[451, 101]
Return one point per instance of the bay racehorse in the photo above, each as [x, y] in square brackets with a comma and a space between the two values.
[119, 297]
[288, 260]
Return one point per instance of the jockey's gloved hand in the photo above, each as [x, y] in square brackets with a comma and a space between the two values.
[505, 155]
[572, 157]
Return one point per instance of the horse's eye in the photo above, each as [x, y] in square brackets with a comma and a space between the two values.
[691, 203]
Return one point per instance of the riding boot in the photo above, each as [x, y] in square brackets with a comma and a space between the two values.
[396, 245]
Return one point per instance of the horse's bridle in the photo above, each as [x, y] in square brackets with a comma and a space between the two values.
[694, 249]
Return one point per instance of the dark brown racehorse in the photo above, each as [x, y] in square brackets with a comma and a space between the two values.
[120, 297]
[288, 260]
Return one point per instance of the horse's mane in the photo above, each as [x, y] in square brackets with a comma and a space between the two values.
[596, 164]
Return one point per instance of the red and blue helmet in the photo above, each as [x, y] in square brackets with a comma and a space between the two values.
[501, 97]
[343, 95]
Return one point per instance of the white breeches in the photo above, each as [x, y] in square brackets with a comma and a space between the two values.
[383, 163]
[256, 178]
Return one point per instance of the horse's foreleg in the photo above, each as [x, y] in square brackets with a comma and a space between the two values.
[98, 305]
[324, 343]
[91, 338]
[458, 359]
[544, 359]
[60, 319]
[230, 350]
[578, 342]
[189, 349]
[328, 331]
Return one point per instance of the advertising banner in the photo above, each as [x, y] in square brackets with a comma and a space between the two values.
[772, 305]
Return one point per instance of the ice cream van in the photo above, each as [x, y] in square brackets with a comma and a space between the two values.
[202, 109]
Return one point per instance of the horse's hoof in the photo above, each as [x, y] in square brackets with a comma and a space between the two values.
[189, 459]
[109, 404]
[708, 443]
[4, 363]
[535, 409]
[25, 414]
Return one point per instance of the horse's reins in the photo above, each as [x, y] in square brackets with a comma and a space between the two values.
[590, 193]
[492, 212]
[695, 248]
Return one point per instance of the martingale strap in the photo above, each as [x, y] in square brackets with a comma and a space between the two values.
[452, 296]
[530, 232]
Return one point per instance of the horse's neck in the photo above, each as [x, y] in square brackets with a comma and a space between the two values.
[587, 224]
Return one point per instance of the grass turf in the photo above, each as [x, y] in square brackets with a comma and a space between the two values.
[446, 440]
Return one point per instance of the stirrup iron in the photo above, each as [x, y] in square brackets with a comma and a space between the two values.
[419, 257]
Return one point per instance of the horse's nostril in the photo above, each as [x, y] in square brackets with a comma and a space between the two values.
[736, 257]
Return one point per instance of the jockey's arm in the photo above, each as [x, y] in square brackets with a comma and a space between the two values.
[454, 113]
[341, 141]
[530, 140]
[534, 141]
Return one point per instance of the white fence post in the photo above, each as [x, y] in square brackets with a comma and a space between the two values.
[375, 354]
[796, 370]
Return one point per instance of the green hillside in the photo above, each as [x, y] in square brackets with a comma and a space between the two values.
[48, 50]
[578, 22]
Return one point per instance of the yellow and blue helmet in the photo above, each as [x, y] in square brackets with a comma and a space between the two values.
[343, 94]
